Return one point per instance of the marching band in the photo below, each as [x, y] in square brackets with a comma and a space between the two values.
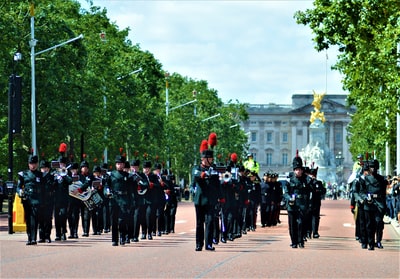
[135, 205]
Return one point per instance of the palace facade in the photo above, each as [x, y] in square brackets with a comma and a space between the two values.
[276, 131]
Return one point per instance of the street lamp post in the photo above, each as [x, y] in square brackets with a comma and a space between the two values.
[32, 44]
[14, 124]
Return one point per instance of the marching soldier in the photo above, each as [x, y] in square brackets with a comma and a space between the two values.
[47, 206]
[29, 189]
[62, 182]
[96, 215]
[254, 190]
[242, 200]
[171, 193]
[159, 201]
[84, 178]
[298, 202]
[276, 199]
[265, 204]
[206, 187]
[374, 195]
[357, 185]
[106, 201]
[318, 191]
[74, 205]
[118, 187]
[146, 197]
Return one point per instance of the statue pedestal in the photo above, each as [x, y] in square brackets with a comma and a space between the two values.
[317, 152]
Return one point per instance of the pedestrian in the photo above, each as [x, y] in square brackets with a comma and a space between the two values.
[29, 189]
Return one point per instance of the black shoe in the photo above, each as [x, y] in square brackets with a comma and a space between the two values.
[172, 231]
[244, 232]
[127, 241]
[115, 243]
[85, 235]
[309, 235]
[294, 245]
[154, 233]
[48, 240]
[223, 240]
[159, 234]
[301, 245]
[150, 237]
[215, 241]
[29, 242]
[33, 242]
[210, 248]
[41, 241]
[316, 235]
[230, 238]
[57, 238]
[379, 245]
[199, 248]
[76, 236]
[63, 237]
[122, 242]
[106, 230]
[143, 236]
[135, 239]
[95, 233]
[371, 247]
[70, 236]
[364, 246]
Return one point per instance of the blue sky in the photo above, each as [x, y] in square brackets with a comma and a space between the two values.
[250, 51]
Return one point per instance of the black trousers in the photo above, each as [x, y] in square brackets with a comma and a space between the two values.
[204, 224]
[46, 220]
[32, 220]
[296, 222]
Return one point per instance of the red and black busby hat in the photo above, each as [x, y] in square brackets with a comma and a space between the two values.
[206, 147]
[297, 161]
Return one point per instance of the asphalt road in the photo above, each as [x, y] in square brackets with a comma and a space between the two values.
[264, 253]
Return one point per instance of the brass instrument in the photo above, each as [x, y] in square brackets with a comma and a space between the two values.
[227, 177]
[91, 198]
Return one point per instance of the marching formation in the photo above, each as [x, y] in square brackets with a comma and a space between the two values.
[228, 197]
[368, 203]
[136, 204]
[124, 201]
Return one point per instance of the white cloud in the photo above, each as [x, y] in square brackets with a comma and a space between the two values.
[252, 51]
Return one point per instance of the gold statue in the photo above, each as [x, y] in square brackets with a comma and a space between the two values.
[317, 114]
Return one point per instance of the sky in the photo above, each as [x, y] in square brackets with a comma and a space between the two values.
[249, 51]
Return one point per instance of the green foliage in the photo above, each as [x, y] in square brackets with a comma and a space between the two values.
[88, 97]
[366, 34]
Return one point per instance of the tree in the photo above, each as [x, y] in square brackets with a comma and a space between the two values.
[366, 34]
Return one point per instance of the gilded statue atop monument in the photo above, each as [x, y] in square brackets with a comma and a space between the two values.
[317, 113]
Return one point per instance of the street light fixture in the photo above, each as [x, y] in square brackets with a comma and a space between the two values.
[32, 44]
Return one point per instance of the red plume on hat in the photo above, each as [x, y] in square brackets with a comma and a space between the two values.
[212, 139]
[121, 150]
[234, 158]
[203, 145]
[63, 148]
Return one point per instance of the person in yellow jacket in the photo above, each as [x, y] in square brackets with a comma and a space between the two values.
[251, 164]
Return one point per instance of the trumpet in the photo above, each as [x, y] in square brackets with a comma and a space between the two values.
[62, 171]
[227, 177]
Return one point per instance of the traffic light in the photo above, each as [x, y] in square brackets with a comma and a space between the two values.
[16, 102]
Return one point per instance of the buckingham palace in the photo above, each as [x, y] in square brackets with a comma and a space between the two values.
[276, 131]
